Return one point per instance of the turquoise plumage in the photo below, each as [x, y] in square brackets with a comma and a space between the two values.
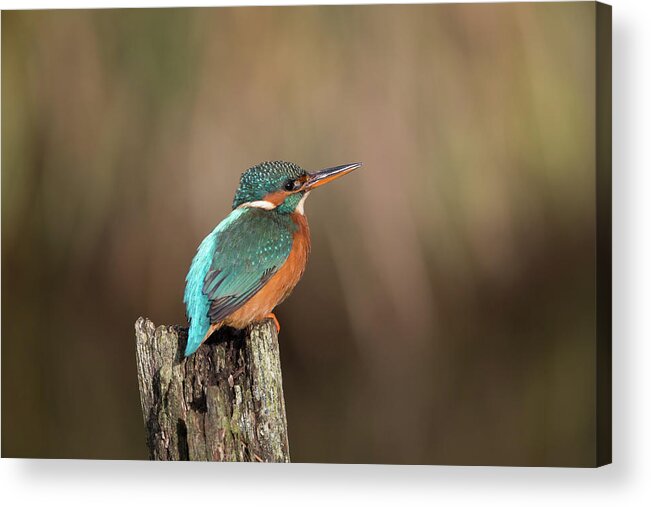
[265, 234]
[233, 263]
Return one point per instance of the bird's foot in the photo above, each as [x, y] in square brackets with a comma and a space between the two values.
[275, 321]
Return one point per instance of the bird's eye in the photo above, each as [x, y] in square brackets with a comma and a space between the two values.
[292, 185]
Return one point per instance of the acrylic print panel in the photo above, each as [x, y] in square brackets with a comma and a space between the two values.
[455, 308]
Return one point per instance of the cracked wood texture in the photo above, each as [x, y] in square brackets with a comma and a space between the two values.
[223, 403]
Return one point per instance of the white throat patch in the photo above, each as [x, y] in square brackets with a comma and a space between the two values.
[300, 207]
[258, 204]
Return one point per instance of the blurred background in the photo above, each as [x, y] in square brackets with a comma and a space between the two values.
[447, 314]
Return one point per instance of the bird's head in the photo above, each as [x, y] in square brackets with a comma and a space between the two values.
[282, 186]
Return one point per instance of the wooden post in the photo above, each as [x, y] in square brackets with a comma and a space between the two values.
[223, 403]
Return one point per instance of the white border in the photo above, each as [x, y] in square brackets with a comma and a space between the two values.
[80, 4]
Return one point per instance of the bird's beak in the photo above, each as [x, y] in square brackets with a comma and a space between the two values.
[326, 175]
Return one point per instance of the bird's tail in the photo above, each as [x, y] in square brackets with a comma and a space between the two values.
[198, 334]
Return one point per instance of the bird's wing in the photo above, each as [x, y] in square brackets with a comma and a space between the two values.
[248, 252]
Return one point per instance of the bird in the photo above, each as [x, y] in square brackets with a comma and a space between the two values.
[253, 259]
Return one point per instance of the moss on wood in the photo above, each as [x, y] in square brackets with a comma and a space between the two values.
[223, 403]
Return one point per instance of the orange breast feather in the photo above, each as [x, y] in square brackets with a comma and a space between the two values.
[279, 285]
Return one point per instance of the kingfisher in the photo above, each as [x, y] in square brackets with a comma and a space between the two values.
[255, 257]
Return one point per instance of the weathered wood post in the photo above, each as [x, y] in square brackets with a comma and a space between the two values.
[223, 403]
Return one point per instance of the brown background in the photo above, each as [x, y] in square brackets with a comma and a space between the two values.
[448, 310]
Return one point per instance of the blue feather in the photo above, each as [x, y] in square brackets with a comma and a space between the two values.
[196, 302]
[232, 264]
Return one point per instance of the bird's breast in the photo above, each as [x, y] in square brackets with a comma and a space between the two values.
[281, 284]
[292, 271]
